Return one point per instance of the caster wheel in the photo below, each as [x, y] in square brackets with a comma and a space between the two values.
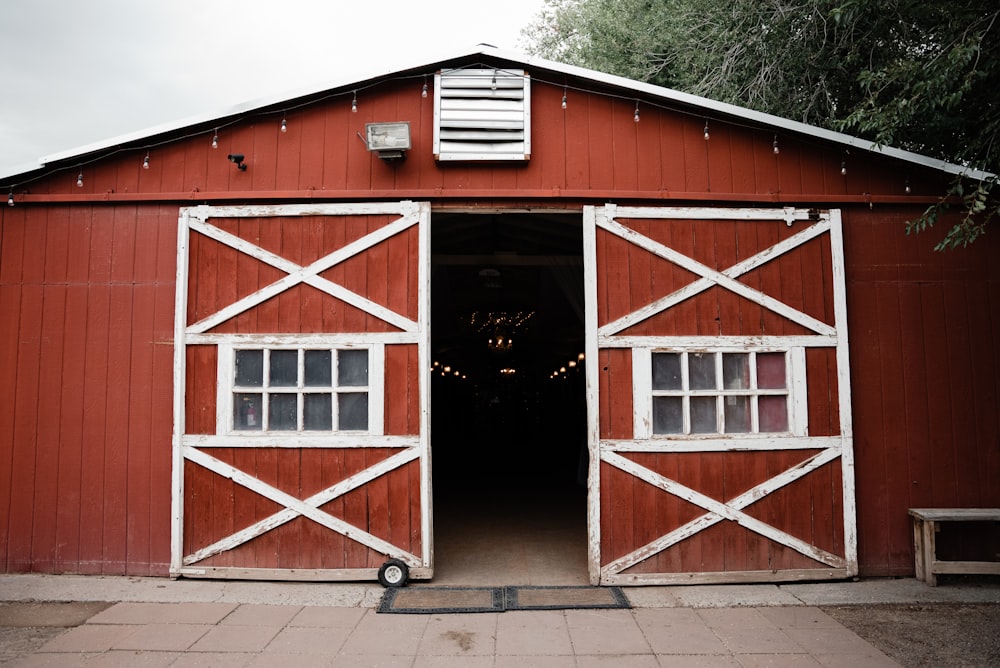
[394, 573]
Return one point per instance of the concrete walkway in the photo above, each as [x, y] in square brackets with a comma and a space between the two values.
[159, 622]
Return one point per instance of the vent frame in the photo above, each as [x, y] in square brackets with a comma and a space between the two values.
[482, 115]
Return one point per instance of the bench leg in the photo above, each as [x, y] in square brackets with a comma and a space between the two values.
[930, 552]
[919, 554]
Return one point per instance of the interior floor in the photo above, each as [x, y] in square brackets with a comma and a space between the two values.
[508, 402]
[510, 539]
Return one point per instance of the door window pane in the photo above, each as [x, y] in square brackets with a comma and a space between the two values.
[773, 414]
[317, 363]
[667, 371]
[352, 368]
[703, 415]
[317, 412]
[249, 368]
[353, 411]
[736, 371]
[284, 368]
[701, 368]
[248, 411]
[283, 412]
[668, 415]
[737, 414]
[771, 371]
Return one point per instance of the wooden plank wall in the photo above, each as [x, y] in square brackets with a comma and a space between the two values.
[86, 322]
[86, 300]
[925, 336]
[593, 147]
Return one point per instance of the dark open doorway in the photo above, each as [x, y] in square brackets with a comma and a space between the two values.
[508, 402]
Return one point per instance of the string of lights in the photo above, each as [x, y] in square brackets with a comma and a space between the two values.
[214, 131]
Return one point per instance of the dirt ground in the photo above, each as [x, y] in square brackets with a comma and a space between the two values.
[935, 634]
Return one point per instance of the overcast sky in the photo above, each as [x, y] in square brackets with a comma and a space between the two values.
[82, 71]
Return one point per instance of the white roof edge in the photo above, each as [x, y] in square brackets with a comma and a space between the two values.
[748, 114]
[707, 104]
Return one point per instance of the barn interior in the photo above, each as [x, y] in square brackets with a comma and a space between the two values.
[508, 408]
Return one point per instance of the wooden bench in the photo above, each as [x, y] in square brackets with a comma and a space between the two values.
[927, 522]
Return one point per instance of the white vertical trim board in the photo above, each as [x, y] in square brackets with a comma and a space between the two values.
[844, 390]
[180, 385]
[424, 356]
[592, 368]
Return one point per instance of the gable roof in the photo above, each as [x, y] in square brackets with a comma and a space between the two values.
[539, 67]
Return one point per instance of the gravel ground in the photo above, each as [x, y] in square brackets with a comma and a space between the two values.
[937, 634]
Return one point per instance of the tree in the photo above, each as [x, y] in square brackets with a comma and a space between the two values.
[915, 74]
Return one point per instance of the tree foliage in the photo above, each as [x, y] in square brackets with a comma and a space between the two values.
[922, 75]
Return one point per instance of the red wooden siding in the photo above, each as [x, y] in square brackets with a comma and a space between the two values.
[594, 148]
[87, 297]
[926, 376]
[86, 306]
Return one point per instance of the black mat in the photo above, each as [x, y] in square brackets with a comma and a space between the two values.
[442, 600]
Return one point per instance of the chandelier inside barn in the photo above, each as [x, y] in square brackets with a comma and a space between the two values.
[500, 327]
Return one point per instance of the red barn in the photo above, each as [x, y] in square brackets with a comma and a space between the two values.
[231, 345]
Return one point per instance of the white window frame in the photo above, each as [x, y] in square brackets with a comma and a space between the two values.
[226, 387]
[643, 393]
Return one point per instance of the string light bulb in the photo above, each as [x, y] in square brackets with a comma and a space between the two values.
[354, 103]
[564, 98]
[493, 86]
[284, 124]
[636, 117]
[775, 145]
[10, 198]
[906, 186]
[215, 139]
[707, 135]
[423, 92]
[79, 180]
[843, 168]
[145, 161]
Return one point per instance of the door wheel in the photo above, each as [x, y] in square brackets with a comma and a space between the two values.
[394, 573]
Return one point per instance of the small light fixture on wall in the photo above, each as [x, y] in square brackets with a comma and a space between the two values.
[390, 140]
[237, 159]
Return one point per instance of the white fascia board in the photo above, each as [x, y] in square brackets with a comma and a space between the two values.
[734, 111]
[667, 94]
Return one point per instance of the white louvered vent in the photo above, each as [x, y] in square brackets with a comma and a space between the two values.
[482, 114]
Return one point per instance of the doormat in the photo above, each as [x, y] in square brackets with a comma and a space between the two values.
[564, 598]
[444, 600]
[439, 600]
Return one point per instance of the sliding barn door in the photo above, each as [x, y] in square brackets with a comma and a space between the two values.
[719, 396]
[301, 391]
